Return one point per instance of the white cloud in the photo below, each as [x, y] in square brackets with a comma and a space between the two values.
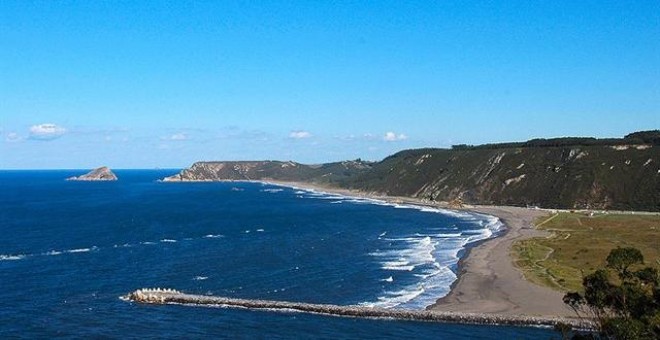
[393, 137]
[300, 134]
[13, 137]
[178, 136]
[46, 131]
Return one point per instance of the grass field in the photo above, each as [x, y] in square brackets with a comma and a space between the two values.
[579, 244]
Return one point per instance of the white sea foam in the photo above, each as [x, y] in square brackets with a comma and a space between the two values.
[417, 295]
[434, 286]
[272, 191]
[429, 258]
[344, 198]
[332, 197]
[401, 206]
[15, 257]
[79, 250]
[12, 257]
[395, 298]
[359, 200]
[398, 265]
[448, 235]
[389, 279]
[313, 193]
[48, 253]
[200, 278]
[418, 251]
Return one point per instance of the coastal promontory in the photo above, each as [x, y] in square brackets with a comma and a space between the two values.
[566, 173]
[99, 174]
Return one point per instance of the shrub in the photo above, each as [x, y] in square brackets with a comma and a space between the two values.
[622, 298]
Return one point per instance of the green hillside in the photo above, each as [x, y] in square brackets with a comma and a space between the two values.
[581, 173]
[597, 177]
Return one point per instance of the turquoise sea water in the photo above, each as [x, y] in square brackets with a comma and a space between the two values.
[69, 249]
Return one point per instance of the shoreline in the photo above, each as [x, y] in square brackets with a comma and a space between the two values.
[487, 280]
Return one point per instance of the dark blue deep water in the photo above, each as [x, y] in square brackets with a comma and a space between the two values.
[69, 250]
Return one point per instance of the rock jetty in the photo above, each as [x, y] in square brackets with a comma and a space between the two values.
[171, 296]
[99, 174]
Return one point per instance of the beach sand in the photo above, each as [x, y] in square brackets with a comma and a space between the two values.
[488, 281]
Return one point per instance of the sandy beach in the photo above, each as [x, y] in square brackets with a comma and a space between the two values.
[488, 281]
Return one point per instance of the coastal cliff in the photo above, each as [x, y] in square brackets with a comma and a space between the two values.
[569, 173]
[329, 173]
[99, 174]
[570, 177]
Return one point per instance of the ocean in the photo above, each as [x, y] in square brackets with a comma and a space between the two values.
[69, 250]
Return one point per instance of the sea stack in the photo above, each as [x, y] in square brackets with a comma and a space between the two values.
[99, 174]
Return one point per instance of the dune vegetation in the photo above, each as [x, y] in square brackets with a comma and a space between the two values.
[578, 245]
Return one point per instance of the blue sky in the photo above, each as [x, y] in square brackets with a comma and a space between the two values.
[163, 84]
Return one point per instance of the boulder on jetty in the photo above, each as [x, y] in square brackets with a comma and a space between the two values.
[99, 174]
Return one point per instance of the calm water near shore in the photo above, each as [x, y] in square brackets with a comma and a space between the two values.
[70, 249]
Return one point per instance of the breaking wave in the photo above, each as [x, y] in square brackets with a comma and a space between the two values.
[17, 257]
[81, 250]
[272, 191]
[431, 258]
[12, 257]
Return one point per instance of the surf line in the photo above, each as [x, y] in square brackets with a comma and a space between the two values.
[171, 296]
